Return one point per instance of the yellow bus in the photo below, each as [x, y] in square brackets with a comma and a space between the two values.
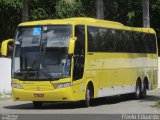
[79, 59]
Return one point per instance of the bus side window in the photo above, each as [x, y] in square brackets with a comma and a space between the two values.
[79, 52]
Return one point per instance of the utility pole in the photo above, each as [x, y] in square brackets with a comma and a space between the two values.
[100, 9]
[25, 11]
[146, 18]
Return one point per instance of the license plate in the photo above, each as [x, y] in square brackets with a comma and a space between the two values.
[38, 95]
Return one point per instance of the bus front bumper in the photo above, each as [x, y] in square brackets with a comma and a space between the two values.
[62, 94]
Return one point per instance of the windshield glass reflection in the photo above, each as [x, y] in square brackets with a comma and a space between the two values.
[42, 52]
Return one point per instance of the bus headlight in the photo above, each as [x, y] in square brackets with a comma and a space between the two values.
[16, 85]
[62, 85]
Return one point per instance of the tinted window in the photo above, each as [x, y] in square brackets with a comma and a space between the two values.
[79, 52]
[93, 39]
[114, 40]
[152, 43]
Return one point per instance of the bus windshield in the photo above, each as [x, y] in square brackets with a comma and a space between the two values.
[41, 52]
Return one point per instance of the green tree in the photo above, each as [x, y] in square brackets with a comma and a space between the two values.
[89, 8]
[10, 17]
[154, 15]
[42, 9]
[69, 8]
[128, 12]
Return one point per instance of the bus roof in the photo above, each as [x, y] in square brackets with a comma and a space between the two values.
[69, 21]
[88, 21]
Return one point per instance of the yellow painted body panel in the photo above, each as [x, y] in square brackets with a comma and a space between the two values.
[64, 94]
[47, 89]
[121, 69]
[104, 70]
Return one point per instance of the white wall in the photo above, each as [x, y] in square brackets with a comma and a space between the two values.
[158, 72]
[5, 76]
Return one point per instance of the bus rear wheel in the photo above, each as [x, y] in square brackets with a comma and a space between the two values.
[37, 104]
[144, 91]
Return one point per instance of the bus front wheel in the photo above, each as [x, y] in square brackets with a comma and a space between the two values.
[87, 100]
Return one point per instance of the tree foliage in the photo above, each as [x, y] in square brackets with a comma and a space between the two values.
[69, 8]
[10, 17]
[128, 12]
[42, 9]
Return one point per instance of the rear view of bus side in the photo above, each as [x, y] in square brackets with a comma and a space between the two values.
[79, 59]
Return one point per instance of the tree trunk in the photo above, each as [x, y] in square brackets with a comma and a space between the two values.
[146, 19]
[25, 16]
[100, 9]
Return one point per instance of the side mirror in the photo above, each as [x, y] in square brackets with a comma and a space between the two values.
[71, 45]
[6, 47]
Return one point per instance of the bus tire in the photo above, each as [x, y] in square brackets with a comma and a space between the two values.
[137, 94]
[144, 91]
[37, 104]
[87, 100]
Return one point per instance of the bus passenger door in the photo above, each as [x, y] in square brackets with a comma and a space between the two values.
[79, 59]
[78, 68]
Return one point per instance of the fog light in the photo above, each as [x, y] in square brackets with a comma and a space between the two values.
[16, 85]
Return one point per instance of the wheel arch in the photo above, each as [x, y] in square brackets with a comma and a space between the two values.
[139, 80]
[91, 88]
[146, 82]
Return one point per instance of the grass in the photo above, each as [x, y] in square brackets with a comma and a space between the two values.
[2, 98]
[157, 104]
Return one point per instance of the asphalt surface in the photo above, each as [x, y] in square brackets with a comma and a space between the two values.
[111, 105]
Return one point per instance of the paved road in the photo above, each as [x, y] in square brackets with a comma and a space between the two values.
[110, 105]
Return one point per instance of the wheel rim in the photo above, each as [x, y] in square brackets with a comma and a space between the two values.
[138, 90]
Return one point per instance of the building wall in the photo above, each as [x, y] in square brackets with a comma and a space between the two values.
[5, 76]
[158, 72]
